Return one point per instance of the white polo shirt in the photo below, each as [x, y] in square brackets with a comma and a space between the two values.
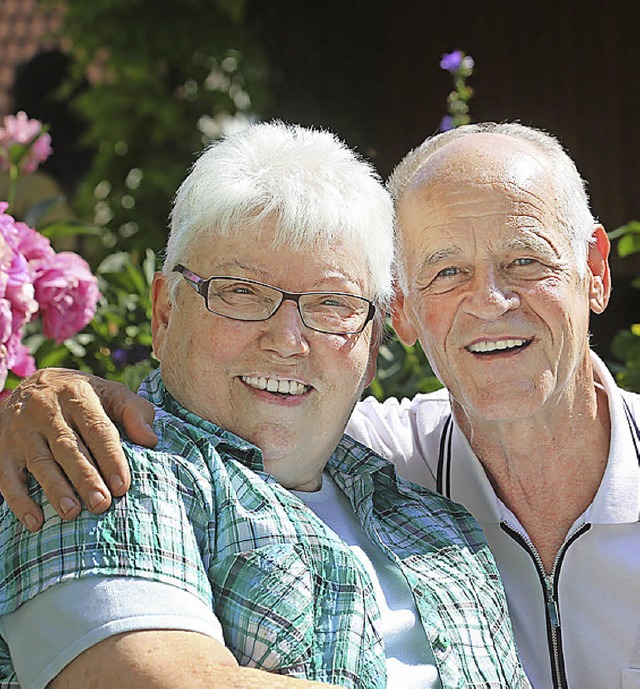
[580, 627]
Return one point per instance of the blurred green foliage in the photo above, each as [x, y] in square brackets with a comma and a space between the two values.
[165, 78]
[403, 370]
[626, 344]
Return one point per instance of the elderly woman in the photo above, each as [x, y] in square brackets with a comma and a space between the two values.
[257, 540]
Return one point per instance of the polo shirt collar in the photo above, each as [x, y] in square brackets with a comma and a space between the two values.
[618, 498]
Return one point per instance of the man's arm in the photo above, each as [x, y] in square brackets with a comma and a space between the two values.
[56, 426]
[166, 660]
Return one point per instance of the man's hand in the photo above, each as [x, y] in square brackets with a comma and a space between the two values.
[55, 426]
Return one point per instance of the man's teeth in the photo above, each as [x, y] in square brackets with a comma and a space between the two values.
[287, 387]
[495, 346]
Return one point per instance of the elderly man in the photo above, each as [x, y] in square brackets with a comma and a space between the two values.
[500, 263]
[228, 565]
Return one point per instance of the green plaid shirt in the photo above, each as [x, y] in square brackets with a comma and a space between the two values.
[292, 598]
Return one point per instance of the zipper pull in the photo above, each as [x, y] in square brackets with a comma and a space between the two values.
[552, 607]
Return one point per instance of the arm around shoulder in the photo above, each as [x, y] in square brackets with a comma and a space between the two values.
[164, 659]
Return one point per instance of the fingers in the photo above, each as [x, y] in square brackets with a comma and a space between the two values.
[14, 490]
[137, 419]
[133, 412]
[54, 425]
[69, 460]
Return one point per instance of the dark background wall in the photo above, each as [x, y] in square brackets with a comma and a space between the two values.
[369, 71]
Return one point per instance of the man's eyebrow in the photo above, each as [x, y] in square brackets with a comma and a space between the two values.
[432, 258]
[530, 242]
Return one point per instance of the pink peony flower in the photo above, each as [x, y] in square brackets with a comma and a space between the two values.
[33, 245]
[67, 292]
[17, 303]
[22, 363]
[37, 154]
[33, 277]
[19, 130]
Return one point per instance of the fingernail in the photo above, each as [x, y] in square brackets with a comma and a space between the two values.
[115, 482]
[96, 498]
[31, 522]
[67, 504]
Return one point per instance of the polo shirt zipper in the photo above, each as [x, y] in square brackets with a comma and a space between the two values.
[549, 584]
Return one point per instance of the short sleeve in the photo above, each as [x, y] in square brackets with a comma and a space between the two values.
[50, 630]
[157, 532]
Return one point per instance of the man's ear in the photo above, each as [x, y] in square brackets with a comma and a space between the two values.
[401, 319]
[600, 278]
[160, 311]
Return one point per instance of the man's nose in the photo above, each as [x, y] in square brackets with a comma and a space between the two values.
[490, 295]
[284, 332]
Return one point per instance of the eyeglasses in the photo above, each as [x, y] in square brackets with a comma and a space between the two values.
[334, 313]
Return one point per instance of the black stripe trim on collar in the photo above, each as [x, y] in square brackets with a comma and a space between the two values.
[633, 427]
[443, 485]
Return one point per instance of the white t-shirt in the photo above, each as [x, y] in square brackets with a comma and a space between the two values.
[410, 663]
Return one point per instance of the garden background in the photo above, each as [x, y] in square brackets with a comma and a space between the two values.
[148, 82]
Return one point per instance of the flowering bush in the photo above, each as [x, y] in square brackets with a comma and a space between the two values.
[24, 143]
[34, 279]
[460, 66]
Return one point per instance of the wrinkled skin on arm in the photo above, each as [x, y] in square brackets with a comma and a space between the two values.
[56, 425]
[166, 659]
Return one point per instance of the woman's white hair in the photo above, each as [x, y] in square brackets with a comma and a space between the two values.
[572, 200]
[315, 189]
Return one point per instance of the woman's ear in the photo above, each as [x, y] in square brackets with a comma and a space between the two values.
[160, 312]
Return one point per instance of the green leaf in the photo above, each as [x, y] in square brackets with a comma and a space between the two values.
[67, 229]
[629, 244]
[632, 226]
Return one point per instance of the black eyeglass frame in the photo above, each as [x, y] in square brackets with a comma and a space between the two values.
[201, 286]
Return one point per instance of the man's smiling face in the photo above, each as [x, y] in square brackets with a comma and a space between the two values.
[496, 293]
[276, 383]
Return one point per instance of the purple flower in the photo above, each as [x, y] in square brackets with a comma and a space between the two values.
[451, 62]
[446, 123]
[123, 356]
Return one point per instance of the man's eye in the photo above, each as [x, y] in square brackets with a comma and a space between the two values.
[524, 261]
[448, 272]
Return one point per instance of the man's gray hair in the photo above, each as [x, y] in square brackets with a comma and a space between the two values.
[572, 200]
[314, 188]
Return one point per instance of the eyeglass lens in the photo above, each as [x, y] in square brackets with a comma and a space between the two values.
[329, 312]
